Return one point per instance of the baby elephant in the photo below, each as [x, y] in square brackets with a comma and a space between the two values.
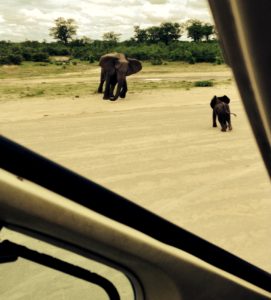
[221, 109]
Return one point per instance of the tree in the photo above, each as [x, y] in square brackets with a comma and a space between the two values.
[153, 34]
[111, 37]
[81, 41]
[170, 32]
[166, 33]
[141, 35]
[195, 30]
[208, 30]
[64, 30]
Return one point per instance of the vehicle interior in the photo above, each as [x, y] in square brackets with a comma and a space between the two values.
[155, 259]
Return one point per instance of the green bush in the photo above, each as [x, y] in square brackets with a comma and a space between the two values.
[203, 83]
[4, 60]
[11, 59]
[27, 53]
[40, 57]
[190, 52]
[156, 61]
[57, 49]
[15, 59]
[91, 59]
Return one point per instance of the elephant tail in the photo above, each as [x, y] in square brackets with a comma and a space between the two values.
[230, 113]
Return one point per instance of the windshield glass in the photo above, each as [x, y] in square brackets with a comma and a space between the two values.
[156, 144]
[32, 280]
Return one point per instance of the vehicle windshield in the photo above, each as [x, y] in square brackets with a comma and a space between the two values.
[32, 280]
[156, 144]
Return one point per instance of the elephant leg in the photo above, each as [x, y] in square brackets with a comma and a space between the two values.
[223, 121]
[124, 90]
[107, 87]
[224, 127]
[113, 82]
[100, 88]
[228, 117]
[111, 92]
[214, 119]
[102, 80]
[117, 93]
[121, 80]
[229, 122]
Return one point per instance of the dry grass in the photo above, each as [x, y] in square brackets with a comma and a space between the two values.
[49, 80]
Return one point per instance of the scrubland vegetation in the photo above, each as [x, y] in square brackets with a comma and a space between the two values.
[156, 44]
[69, 65]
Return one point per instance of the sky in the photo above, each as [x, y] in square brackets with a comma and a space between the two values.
[22, 20]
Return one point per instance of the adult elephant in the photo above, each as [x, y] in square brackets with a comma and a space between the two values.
[114, 69]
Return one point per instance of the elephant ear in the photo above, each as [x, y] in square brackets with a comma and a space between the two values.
[134, 66]
[225, 99]
[213, 102]
[108, 61]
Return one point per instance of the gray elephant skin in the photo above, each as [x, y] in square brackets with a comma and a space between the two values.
[221, 110]
[114, 69]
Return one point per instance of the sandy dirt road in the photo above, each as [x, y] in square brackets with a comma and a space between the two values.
[158, 148]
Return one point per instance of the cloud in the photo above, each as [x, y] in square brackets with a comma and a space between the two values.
[32, 19]
[196, 4]
[158, 1]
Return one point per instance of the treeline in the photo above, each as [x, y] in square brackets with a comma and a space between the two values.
[192, 52]
[155, 44]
